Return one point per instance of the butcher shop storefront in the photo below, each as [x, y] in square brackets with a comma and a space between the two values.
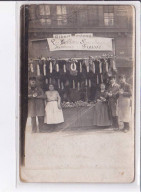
[76, 65]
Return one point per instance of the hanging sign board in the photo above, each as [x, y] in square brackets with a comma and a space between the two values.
[84, 35]
[80, 43]
[61, 35]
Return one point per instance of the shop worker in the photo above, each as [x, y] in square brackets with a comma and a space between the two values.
[112, 93]
[102, 117]
[36, 106]
[54, 113]
[124, 102]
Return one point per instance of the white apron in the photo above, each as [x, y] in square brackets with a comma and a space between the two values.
[53, 115]
[124, 109]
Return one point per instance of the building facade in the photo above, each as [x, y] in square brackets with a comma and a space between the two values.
[112, 21]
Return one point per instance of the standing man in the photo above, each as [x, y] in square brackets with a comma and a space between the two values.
[36, 105]
[112, 93]
[124, 102]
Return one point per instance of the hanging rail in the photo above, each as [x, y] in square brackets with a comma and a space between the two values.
[96, 57]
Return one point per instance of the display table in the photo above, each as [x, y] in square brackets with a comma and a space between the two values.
[78, 117]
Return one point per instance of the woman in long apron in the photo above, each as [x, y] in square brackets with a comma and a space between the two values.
[102, 116]
[124, 103]
[53, 110]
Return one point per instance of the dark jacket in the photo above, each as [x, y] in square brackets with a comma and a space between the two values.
[113, 99]
[36, 105]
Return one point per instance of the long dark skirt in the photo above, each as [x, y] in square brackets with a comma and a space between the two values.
[101, 116]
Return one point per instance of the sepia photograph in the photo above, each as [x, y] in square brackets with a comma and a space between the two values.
[77, 92]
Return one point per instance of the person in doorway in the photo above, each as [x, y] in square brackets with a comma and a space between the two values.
[102, 118]
[36, 106]
[124, 103]
[112, 93]
[53, 110]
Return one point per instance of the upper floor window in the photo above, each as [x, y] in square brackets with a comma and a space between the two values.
[108, 15]
[44, 12]
[108, 19]
[61, 12]
[32, 14]
[93, 17]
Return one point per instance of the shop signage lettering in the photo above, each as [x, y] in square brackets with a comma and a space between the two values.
[61, 36]
[84, 35]
[80, 43]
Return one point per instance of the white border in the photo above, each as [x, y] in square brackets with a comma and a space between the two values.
[7, 96]
[17, 34]
[135, 186]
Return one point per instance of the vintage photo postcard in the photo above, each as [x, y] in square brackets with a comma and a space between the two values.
[77, 85]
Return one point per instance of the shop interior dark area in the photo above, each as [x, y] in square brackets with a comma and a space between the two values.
[76, 80]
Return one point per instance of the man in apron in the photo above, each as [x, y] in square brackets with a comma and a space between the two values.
[36, 106]
[112, 93]
[124, 103]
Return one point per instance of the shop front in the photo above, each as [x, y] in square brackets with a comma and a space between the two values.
[76, 65]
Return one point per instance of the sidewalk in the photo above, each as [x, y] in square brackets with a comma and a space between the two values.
[79, 156]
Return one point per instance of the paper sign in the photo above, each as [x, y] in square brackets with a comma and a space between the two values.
[80, 43]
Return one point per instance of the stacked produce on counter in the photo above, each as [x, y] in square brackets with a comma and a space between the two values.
[76, 104]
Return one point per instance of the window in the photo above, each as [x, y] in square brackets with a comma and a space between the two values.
[61, 14]
[44, 12]
[93, 17]
[109, 15]
[45, 21]
[32, 14]
[83, 17]
[109, 19]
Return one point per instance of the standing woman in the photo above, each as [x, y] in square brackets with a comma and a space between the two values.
[124, 102]
[53, 110]
[102, 116]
